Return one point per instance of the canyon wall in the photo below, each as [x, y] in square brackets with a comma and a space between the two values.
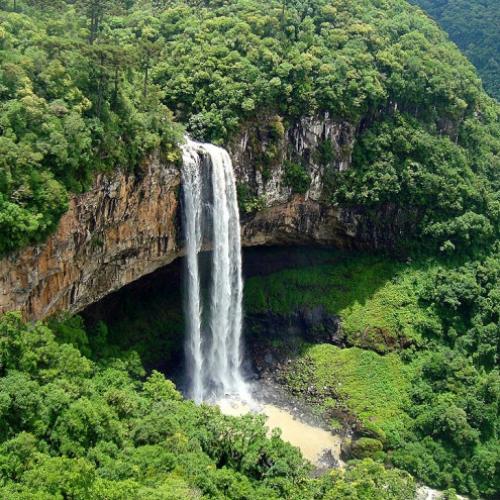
[127, 225]
[120, 230]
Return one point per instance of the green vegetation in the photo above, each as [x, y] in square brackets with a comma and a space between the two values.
[366, 447]
[91, 86]
[376, 298]
[247, 203]
[151, 326]
[71, 103]
[367, 480]
[435, 416]
[426, 185]
[74, 427]
[453, 439]
[433, 399]
[325, 154]
[87, 86]
[374, 388]
[296, 177]
[473, 26]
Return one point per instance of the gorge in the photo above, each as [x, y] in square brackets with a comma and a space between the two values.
[128, 225]
[284, 206]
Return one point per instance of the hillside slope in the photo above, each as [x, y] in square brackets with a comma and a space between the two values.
[473, 26]
[367, 99]
[87, 87]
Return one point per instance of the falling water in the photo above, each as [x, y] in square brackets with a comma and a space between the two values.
[192, 211]
[213, 345]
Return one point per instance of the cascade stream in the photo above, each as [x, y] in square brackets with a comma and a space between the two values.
[211, 216]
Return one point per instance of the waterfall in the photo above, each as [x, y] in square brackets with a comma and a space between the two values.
[191, 180]
[210, 212]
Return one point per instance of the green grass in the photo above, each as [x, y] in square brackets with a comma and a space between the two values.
[374, 388]
[376, 298]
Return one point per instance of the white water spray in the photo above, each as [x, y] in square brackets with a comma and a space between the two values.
[192, 212]
[214, 345]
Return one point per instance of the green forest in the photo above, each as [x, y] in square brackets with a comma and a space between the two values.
[90, 86]
[73, 426]
[95, 86]
[473, 26]
[420, 372]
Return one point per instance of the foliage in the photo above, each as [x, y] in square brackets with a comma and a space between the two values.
[472, 25]
[375, 298]
[87, 85]
[436, 418]
[368, 480]
[397, 162]
[454, 436]
[296, 177]
[125, 323]
[247, 203]
[434, 400]
[428, 137]
[374, 388]
[325, 153]
[466, 298]
[73, 428]
[71, 103]
[366, 447]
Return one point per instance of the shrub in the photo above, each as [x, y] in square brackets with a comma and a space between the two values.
[296, 177]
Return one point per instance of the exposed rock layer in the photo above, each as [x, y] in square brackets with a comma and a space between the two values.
[127, 225]
[314, 325]
[122, 229]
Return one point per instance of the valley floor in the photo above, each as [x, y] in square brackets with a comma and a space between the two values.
[395, 357]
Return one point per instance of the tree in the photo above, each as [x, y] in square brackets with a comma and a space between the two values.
[95, 10]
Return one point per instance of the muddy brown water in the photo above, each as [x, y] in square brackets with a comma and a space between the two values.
[319, 446]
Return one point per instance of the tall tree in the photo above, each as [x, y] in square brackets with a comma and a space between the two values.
[95, 10]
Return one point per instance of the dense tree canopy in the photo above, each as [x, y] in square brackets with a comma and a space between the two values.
[88, 85]
[431, 398]
[70, 105]
[92, 86]
[72, 427]
[473, 26]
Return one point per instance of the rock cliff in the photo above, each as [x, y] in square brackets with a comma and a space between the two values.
[127, 226]
[120, 230]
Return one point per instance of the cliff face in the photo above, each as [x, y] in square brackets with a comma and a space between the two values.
[128, 226]
[122, 229]
[262, 151]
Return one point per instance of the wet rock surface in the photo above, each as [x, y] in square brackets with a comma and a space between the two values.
[314, 325]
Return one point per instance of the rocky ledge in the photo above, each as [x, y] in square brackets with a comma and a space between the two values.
[127, 225]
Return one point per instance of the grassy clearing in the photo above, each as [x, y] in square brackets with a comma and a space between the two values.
[376, 298]
[372, 388]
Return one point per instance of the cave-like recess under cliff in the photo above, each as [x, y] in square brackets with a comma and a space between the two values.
[128, 224]
[147, 315]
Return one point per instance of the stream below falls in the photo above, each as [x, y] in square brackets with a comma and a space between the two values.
[298, 425]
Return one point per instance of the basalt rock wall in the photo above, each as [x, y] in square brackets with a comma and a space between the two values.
[120, 230]
[127, 225]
